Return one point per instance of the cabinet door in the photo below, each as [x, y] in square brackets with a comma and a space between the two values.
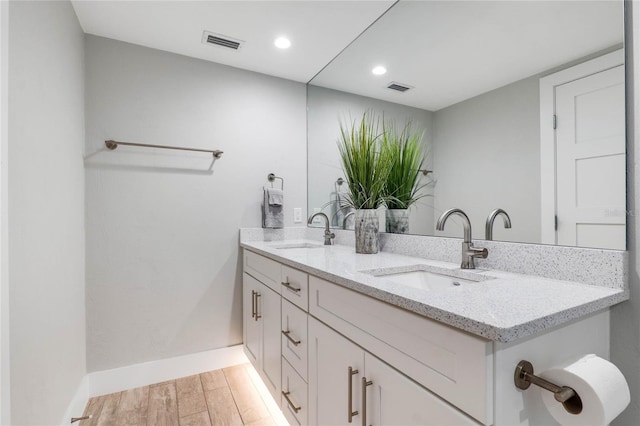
[269, 312]
[394, 399]
[331, 388]
[252, 326]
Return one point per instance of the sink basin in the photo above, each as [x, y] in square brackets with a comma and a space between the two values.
[297, 246]
[425, 277]
[426, 280]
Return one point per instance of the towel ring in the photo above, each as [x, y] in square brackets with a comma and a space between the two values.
[271, 178]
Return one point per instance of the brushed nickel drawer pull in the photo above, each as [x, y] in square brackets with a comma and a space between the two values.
[350, 373]
[365, 383]
[290, 287]
[291, 404]
[291, 339]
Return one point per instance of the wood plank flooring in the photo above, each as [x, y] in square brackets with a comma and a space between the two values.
[221, 397]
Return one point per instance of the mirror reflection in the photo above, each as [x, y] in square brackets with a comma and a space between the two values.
[522, 108]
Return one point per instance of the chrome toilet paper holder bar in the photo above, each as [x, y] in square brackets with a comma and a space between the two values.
[569, 398]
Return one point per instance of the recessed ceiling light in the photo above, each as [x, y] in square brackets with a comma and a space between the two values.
[379, 70]
[282, 43]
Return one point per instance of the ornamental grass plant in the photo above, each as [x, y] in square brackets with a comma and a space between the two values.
[366, 165]
[404, 150]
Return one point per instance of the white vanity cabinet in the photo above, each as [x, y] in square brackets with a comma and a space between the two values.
[305, 363]
[348, 384]
[330, 354]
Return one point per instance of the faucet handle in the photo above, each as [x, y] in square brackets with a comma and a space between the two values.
[328, 236]
[481, 252]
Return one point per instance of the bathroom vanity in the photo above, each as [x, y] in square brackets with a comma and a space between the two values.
[343, 338]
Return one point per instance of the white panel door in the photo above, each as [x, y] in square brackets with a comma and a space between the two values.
[590, 144]
[394, 399]
[330, 385]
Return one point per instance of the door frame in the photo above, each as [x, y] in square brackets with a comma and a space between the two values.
[5, 376]
[548, 174]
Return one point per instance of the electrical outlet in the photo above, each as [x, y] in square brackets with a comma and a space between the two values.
[317, 220]
[297, 215]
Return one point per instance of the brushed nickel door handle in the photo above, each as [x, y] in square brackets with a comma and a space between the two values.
[291, 404]
[253, 304]
[291, 339]
[258, 316]
[365, 383]
[350, 373]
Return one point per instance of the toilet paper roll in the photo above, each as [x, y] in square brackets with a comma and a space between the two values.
[601, 386]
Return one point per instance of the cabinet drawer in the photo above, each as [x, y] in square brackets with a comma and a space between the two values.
[295, 403]
[263, 269]
[294, 347]
[295, 287]
[454, 364]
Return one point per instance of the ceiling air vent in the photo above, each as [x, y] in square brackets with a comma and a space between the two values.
[221, 40]
[399, 86]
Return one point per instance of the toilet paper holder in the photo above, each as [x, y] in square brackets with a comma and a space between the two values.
[569, 398]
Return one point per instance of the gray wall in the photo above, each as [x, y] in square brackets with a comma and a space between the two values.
[487, 155]
[163, 270]
[326, 108]
[625, 317]
[46, 210]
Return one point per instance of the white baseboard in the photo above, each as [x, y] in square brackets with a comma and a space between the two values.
[147, 373]
[78, 403]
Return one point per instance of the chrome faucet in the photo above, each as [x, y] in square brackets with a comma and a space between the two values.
[488, 227]
[346, 217]
[469, 252]
[328, 235]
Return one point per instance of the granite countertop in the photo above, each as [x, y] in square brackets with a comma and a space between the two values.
[501, 306]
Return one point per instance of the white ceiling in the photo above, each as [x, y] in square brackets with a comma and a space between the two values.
[453, 50]
[318, 30]
[448, 50]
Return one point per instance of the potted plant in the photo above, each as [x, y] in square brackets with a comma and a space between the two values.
[366, 168]
[405, 151]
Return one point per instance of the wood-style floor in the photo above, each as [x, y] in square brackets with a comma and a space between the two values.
[221, 397]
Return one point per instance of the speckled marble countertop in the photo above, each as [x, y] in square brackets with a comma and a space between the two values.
[503, 306]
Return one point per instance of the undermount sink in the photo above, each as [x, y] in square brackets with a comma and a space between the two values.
[423, 279]
[297, 246]
[426, 280]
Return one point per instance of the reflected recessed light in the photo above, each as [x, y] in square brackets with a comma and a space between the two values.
[282, 43]
[379, 70]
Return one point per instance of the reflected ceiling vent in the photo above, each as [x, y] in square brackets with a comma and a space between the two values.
[400, 87]
[221, 40]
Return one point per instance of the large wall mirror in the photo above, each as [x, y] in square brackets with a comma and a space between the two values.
[522, 104]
